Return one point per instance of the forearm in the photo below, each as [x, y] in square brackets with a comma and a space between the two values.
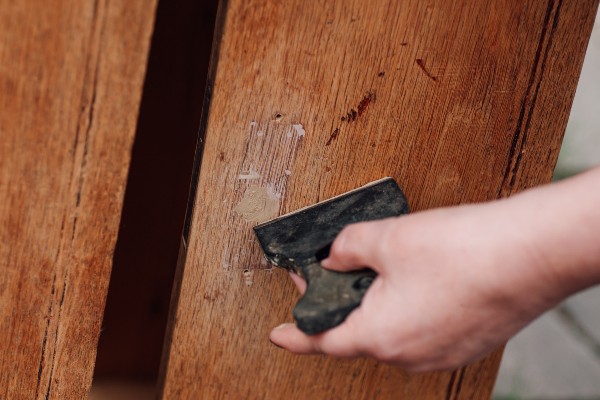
[562, 222]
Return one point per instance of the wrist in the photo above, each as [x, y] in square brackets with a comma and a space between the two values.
[528, 279]
[560, 224]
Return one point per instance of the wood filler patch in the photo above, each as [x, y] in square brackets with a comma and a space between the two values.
[259, 204]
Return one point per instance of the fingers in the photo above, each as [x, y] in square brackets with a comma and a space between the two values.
[356, 247]
[289, 337]
[298, 281]
[338, 342]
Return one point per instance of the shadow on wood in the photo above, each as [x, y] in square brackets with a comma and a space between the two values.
[157, 191]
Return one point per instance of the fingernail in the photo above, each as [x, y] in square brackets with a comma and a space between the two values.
[281, 326]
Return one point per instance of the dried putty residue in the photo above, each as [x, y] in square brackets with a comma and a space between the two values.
[299, 129]
[295, 128]
[251, 174]
[248, 277]
[259, 204]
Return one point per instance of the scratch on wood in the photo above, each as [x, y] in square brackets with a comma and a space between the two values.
[421, 65]
[364, 103]
[333, 136]
[75, 221]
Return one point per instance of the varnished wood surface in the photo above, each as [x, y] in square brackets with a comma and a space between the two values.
[71, 75]
[460, 101]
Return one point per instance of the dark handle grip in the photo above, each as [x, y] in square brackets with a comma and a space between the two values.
[330, 296]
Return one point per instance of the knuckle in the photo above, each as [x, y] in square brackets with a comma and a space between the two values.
[380, 350]
[336, 246]
[345, 243]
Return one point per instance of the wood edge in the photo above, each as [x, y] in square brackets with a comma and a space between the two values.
[183, 247]
[208, 91]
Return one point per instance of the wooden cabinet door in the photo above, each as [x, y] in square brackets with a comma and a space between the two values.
[71, 76]
[460, 101]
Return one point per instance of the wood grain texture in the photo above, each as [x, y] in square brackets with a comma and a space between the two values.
[459, 101]
[71, 77]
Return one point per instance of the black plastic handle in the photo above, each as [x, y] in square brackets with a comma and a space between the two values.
[330, 296]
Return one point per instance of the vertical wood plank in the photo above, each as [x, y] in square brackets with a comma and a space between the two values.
[459, 101]
[71, 77]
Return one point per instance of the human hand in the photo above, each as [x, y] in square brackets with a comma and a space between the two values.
[453, 284]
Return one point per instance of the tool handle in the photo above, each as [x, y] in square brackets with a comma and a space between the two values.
[330, 296]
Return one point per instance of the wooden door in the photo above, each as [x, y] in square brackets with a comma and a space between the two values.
[71, 75]
[460, 101]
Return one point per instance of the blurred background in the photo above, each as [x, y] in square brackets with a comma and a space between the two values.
[558, 355]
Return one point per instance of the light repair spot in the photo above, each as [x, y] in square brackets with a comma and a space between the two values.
[248, 175]
[299, 129]
[248, 277]
[259, 204]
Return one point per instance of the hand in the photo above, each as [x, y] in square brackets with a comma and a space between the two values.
[453, 284]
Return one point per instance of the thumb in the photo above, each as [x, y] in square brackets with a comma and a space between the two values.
[356, 247]
[341, 341]
[289, 337]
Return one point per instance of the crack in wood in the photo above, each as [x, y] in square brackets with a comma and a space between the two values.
[60, 308]
[94, 43]
[455, 385]
[534, 100]
[45, 339]
[520, 135]
[421, 65]
[450, 386]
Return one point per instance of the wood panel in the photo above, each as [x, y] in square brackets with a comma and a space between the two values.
[71, 77]
[459, 101]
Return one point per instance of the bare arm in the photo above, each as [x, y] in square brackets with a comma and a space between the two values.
[455, 283]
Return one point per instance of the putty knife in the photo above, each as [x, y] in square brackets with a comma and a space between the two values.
[298, 241]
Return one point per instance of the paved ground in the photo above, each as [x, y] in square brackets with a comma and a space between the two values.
[558, 356]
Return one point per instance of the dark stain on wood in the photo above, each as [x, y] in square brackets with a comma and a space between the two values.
[333, 136]
[353, 114]
[364, 103]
